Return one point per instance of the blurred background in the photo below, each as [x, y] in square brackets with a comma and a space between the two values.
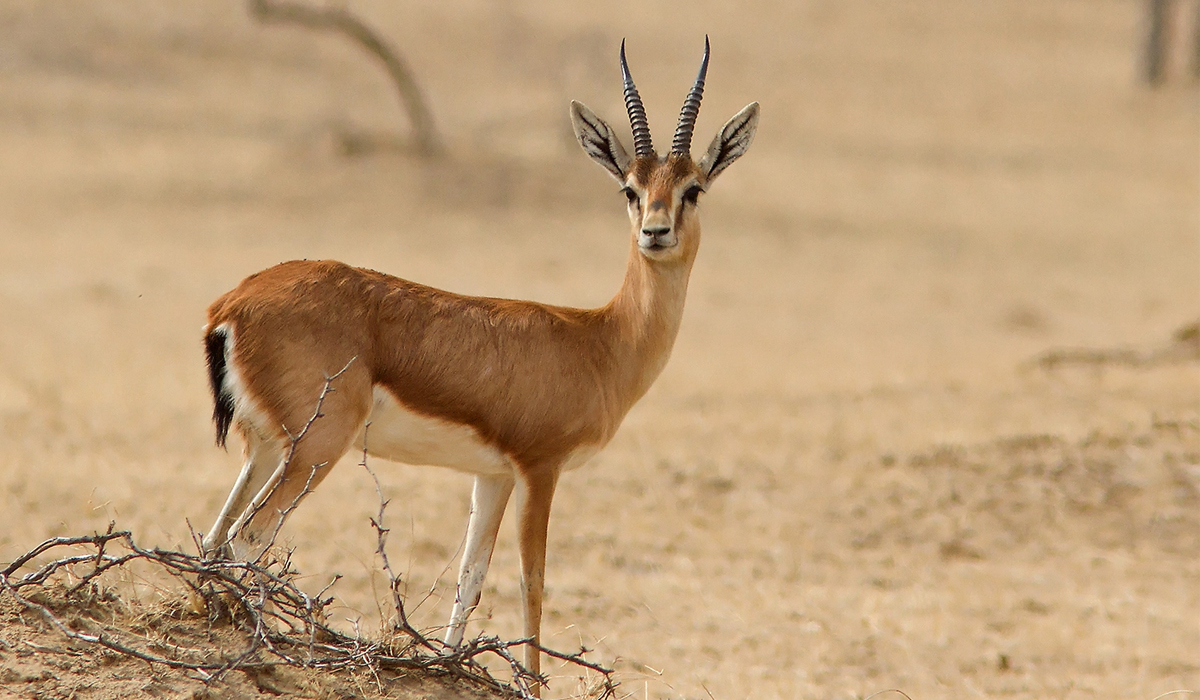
[933, 419]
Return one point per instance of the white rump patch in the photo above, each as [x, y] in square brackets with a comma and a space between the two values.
[245, 411]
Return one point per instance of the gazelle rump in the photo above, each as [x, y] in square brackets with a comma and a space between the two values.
[514, 392]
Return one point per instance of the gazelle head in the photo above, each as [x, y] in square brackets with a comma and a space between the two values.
[663, 190]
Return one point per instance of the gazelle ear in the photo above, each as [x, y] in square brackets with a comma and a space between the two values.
[731, 142]
[599, 141]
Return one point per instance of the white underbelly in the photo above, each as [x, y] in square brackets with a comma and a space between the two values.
[397, 433]
[579, 457]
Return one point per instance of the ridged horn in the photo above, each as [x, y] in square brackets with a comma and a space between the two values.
[642, 145]
[682, 143]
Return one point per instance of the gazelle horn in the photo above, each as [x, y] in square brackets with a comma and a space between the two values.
[642, 145]
[682, 143]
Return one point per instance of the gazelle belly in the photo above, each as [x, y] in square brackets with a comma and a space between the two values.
[398, 433]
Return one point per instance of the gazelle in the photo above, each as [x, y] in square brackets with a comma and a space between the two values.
[514, 392]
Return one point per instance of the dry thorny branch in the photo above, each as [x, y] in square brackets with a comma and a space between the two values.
[342, 21]
[282, 625]
[276, 478]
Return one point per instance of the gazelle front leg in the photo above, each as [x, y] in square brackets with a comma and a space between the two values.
[488, 499]
[534, 497]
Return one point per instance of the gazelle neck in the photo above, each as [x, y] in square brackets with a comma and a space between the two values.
[646, 313]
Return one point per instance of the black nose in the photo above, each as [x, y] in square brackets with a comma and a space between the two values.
[658, 231]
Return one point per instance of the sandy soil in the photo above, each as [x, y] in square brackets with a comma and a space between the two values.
[849, 478]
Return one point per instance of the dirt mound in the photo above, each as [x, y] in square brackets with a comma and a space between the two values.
[1137, 489]
[194, 626]
[38, 661]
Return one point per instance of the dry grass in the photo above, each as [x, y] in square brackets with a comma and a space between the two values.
[849, 478]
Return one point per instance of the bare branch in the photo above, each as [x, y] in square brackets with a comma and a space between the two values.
[381, 533]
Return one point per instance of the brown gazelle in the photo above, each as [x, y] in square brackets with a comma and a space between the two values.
[513, 392]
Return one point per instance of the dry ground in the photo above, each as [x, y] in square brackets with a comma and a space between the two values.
[848, 479]
[37, 661]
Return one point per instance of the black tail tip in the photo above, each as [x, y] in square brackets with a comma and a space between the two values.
[214, 348]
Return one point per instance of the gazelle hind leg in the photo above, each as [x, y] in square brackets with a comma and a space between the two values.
[488, 499]
[322, 434]
[262, 457]
[291, 481]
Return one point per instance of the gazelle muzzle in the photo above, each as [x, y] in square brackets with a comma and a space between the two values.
[657, 230]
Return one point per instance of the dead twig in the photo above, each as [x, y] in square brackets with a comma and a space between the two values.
[381, 534]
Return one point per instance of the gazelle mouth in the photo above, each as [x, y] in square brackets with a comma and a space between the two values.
[654, 249]
[657, 241]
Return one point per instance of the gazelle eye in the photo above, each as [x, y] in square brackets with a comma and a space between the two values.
[692, 194]
[630, 195]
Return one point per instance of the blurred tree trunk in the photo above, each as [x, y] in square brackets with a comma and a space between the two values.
[1159, 26]
[1196, 43]
[342, 21]
[1154, 48]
